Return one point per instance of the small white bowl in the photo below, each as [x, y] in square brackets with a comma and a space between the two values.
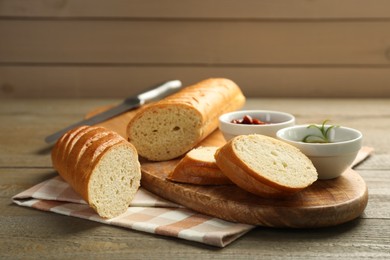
[275, 121]
[330, 159]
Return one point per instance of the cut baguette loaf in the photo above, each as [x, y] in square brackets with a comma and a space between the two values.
[265, 166]
[101, 166]
[171, 127]
[198, 166]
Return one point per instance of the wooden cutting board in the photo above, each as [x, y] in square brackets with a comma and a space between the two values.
[325, 203]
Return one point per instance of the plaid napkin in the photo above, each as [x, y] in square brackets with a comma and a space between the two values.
[147, 212]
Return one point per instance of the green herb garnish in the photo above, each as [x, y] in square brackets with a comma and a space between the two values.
[324, 131]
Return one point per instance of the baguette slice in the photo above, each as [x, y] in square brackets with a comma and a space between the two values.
[265, 166]
[198, 166]
[171, 127]
[101, 166]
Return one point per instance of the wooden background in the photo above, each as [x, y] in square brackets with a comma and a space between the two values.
[271, 48]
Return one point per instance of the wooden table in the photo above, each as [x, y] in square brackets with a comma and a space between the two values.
[29, 233]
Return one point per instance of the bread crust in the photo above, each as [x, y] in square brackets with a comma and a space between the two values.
[61, 146]
[206, 100]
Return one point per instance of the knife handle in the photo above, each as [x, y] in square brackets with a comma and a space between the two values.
[159, 92]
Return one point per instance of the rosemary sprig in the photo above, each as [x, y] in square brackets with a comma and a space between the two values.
[323, 138]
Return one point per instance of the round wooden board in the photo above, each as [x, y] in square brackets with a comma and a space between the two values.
[325, 203]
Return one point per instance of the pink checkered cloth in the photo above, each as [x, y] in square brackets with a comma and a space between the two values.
[147, 212]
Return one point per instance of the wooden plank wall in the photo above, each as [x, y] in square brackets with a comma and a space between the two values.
[271, 48]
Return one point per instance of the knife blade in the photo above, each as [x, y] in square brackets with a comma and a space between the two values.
[155, 93]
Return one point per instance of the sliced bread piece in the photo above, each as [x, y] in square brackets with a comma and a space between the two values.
[198, 166]
[265, 166]
[101, 166]
[87, 160]
[114, 180]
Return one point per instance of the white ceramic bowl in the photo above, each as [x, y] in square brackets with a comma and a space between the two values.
[276, 121]
[330, 159]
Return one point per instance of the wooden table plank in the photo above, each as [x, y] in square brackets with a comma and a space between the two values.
[192, 9]
[190, 42]
[89, 80]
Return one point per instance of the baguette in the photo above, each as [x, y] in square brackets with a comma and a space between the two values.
[265, 166]
[171, 127]
[198, 166]
[101, 166]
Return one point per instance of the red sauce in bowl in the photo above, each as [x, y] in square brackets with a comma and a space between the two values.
[248, 120]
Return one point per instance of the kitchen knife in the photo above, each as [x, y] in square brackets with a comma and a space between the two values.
[129, 103]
